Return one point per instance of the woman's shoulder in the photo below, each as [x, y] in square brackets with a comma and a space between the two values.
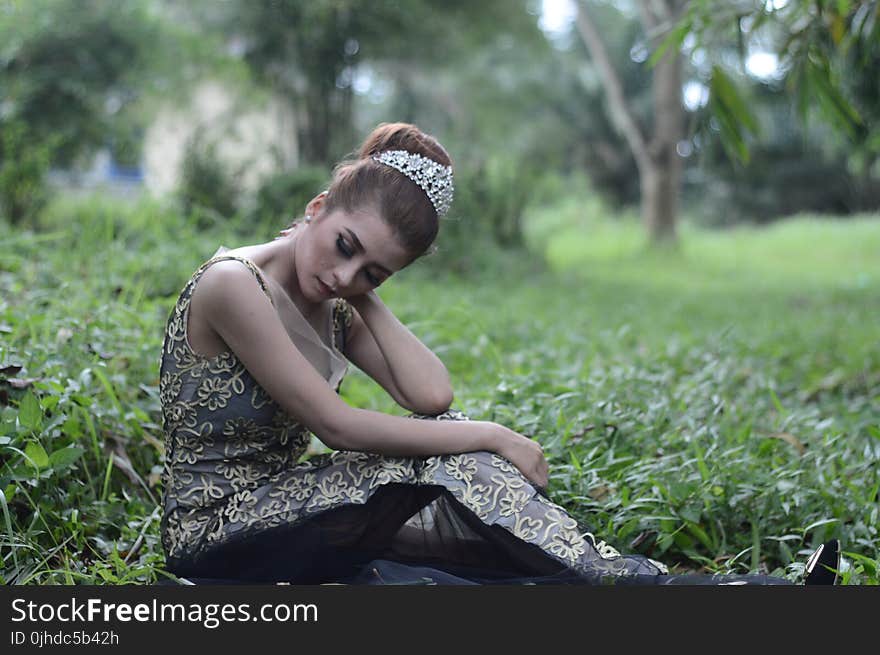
[226, 277]
[253, 252]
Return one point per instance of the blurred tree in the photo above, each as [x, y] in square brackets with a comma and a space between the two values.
[826, 53]
[24, 163]
[70, 68]
[312, 52]
[793, 166]
[70, 73]
[585, 130]
[208, 192]
[827, 50]
[655, 149]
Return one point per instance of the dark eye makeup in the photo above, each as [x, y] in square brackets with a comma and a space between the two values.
[347, 251]
[343, 246]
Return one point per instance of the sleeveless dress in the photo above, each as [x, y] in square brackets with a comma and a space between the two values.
[242, 505]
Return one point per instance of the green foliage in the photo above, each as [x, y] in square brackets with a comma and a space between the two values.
[284, 196]
[24, 163]
[826, 49]
[491, 197]
[733, 114]
[782, 179]
[574, 209]
[520, 102]
[70, 68]
[207, 188]
[76, 76]
[73, 78]
[80, 440]
[715, 409]
[792, 168]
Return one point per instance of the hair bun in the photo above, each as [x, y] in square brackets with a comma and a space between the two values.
[403, 136]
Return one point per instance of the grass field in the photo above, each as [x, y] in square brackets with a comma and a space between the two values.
[714, 406]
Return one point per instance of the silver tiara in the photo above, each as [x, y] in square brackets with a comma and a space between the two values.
[434, 178]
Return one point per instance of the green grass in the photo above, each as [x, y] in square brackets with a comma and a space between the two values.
[714, 406]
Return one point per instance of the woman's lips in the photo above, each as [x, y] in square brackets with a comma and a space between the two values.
[327, 291]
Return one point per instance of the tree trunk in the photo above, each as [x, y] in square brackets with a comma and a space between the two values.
[656, 154]
[661, 181]
[315, 133]
[659, 203]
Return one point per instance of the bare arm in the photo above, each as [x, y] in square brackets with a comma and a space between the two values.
[381, 346]
[238, 310]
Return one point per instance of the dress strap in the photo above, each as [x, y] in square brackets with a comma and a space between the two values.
[247, 262]
[342, 318]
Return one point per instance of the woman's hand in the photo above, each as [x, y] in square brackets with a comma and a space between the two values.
[525, 454]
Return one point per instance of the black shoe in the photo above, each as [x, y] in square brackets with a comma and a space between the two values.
[823, 566]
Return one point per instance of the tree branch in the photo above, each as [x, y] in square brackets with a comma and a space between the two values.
[663, 10]
[658, 17]
[649, 19]
[621, 114]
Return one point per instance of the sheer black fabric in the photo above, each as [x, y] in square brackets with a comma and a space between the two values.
[404, 535]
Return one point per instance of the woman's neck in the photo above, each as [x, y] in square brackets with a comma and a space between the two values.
[281, 263]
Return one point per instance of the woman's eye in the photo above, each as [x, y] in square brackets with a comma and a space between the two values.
[373, 279]
[343, 247]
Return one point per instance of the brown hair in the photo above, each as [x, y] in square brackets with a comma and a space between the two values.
[401, 203]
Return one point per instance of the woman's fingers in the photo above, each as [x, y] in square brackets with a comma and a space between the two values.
[527, 455]
[539, 468]
[542, 477]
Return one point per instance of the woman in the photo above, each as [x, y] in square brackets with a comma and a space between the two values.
[254, 352]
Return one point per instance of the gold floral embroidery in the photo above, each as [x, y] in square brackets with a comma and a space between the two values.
[477, 498]
[298, 487]
[527, 528]
[377, 470]
[503, 465]
[179, 414]
[169, 388]
[461, 467]
[239, 433]
[214, 393]
[333, 489]
[567, 544]
[204, 494]
[513, 501]
[240, 506]
[259, 398]
[233, 469]
[273, 508]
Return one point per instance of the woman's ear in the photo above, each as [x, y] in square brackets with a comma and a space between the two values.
[316, 204]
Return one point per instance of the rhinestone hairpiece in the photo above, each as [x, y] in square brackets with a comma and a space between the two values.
[434, 178]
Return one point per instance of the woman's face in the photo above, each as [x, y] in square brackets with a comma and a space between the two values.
[344, 254]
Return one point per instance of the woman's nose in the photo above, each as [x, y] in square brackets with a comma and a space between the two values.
[344, 275]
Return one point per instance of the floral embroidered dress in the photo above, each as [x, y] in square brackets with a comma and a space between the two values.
[240, 504]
